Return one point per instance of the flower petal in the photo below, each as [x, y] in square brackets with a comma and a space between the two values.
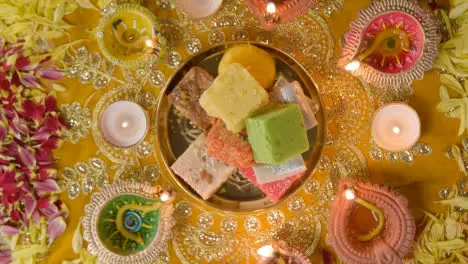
[45, 187]
[29, 205]
[50, 144]
[50, 103]
[22, 63]
[5, 257]
[55, 228]
[50, 73]
[7, 231]
[29, 80]
[26, 157]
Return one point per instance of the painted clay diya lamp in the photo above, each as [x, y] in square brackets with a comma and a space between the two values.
[280, 253]
[130, 35]
[273, 12]
[129, 222]
[392, 229]
[392, 43]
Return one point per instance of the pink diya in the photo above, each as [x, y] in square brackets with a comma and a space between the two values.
[391, 43]
[280, 253]
[388, 242]
[273, 12]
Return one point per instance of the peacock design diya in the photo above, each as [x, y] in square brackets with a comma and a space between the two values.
[273, 12]
[370, 224]
[130, 35]
[128, 222]
[392, 43]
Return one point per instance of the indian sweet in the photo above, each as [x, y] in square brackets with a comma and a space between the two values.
[258, 62]
[273, 190]
[284, 92]
[277, 134]
[270, 173]
[203, 173]
[233, 96]
[234, 149]
[187, 92]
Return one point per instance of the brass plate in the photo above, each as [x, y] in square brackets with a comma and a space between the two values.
[175, 133]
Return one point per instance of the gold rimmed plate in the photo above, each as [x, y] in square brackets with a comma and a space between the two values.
[175, 132]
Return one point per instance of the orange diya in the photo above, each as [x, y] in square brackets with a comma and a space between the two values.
[391, 43]
[370, 224]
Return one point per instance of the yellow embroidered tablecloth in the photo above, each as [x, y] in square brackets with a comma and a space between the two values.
[203, 234]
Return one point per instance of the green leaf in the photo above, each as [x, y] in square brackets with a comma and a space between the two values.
[452, 83]
[103, 3]
[460, 201]
[77, 242]
[458, 11]
[58, 87]
[86, 4]
[7, 11]
[448, 105]
[60, 51]
[450, 245]
[444, 95]
[59, 12]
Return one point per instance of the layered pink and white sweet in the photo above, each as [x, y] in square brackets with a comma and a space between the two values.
[273, 12]
[391, 43]
[392, 239]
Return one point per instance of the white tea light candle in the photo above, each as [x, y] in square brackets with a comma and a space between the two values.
[123, 124]
[396, 127]
[197, 9]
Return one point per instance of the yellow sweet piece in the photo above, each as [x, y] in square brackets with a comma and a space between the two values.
[258, 62]
[233, 96]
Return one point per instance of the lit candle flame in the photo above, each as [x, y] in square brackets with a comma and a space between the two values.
[349, 194]
[149, 43]
[353, 65]
[396, 130]
[124, 124]
[271, 8]
[165, 196]
[266, 251]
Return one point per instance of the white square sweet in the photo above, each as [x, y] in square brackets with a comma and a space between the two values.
[284, 92]
[203, 173]
[270, 173]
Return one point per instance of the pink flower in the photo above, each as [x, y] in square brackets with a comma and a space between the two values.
[21, 71]
[30, 129]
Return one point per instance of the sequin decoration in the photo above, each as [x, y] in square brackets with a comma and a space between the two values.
[83, 178]
[229, 225]
[240, 35]
[216, 37]
[136, 173]
[312, 186]
[252, 224]
[296, 204]
[165, 4]
[205, 220]
[275, 217]
[183, 209]
[174, 59]
[193, 46]
[88, 67]
[419, 149]
[78, 120]
[144, 149]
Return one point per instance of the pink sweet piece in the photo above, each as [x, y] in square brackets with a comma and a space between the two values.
[273, 190]
[391, 245]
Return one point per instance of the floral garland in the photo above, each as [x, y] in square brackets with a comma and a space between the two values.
[31, 216]
[453, 63]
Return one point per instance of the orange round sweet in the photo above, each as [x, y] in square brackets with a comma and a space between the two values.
[258, 62]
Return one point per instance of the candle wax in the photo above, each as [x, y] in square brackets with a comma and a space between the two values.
[123, 123]
[396, 127]
[198, 8]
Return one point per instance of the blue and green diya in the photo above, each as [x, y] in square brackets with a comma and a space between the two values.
[128, 222]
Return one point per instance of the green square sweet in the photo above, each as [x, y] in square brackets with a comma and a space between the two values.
[277, 134]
